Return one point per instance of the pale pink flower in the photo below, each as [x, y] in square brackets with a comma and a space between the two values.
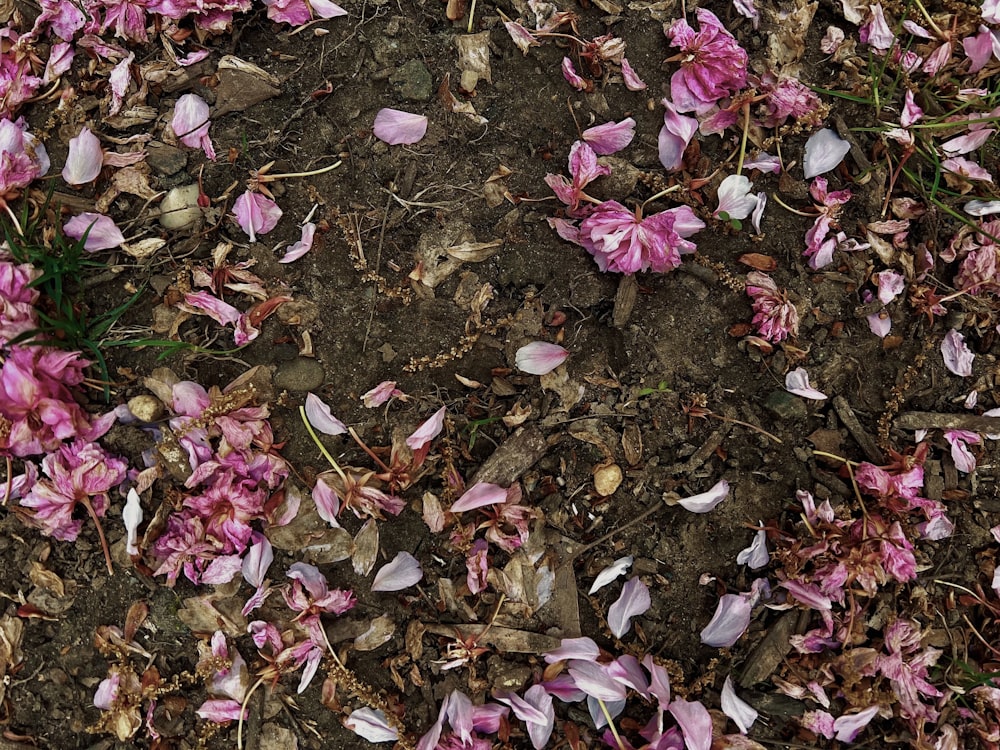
[632, 80]
[790, 98]
[397, 127]
[539, 357]
[611, 136]
[191, 124]
[713, 65]
[304, 245]
[78, 472]
[819, 242]
[401, 572]
[621, 242]
[572, 77]
[957, 356]
[797, 382]
[101, 231]
[17, 299]
[85, 159]
[17, 83]
[310, 595]
[256, 214]
[735, 199]
[831, 40]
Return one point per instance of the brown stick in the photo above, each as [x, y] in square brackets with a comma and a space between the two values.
[918, 420]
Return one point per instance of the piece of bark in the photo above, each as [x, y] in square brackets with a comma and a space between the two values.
[241, 85]
[770, 652]
[510, 640]
[515, 456]
[701, 455]
[628, 290]
[929, 420]
[850, 420]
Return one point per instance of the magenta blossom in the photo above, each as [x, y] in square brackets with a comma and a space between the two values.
[22, 158]
[310, 595]
[774, 316]
[713, 65]
[820, 244]
[256, 214]
[622, 242]
[77, 473]
[584, 169]
[17, 84]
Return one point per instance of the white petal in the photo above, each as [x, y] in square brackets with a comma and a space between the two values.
[132, 517]
[957, 356]
[706, 501]
[797, 382]
[372, 725]
[615, 570]
[402, 572]
[633, 602]
[735, 708]
[824, 151]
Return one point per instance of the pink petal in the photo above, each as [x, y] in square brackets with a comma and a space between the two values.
[258, 559]
[190, 123]
[706, 501]
[402, 572]
[369, 723]
[764, 162]
[755, 556]
[634, 601]
[632, 80]
[593, 679]
[427, 431]
[911, 112]
[730, 621]
[222, 569]
[327, 502]
[695, 723]
[522, 37]
[849, 726]
[119, 80]
[479, 495]
[824, 151]
[735, 708]
[611, 136]
[103, 233]
[675, 135]
[256, 214]
[326, 9]
[220, 711]
[957, 357]
[303, 246]
[576, 648]
[797, 382]
[963, 144]
[571, 76]
[85, 159]
[396, 127]
[539, 357]
[60, 60]
[321, 417]
[890, 286]
[614, 571]
[380, 394]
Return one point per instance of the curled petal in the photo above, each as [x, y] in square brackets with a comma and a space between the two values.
[957, 356]
[755, 556]
[479, 495]
[539, 357]
[706, 501]
[634, 601]
[303, 246]
[735, 708]
[797, 382]
[256, 214]
[632, 80]
[372, 725]
[572, 77]
[574, 648]
[735, 200]
[397, 127]
[675, 135]
[426, 432]
[617, 569]
[85, 159]
[402, 572]
[695, 723]
[321, 418]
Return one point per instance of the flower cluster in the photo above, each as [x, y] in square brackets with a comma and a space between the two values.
[713, 65]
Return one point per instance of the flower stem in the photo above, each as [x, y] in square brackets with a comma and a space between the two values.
[243, 710]
[472, 15]
[13, 218]
[930, 21]
[367, 450]
[611, 724]
[743, 141]
[785, 206]
[671, 189]
[322, 448]
[10, 481]
[100, 533]
[273, 177]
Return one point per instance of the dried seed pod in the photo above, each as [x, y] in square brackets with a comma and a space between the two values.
[632, 444]
[607, 479]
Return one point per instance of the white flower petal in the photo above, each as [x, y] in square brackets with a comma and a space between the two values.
[735, 708]
[634, 601]
[539, 357]
[402, 572]
[797, 382]
[957, 356]
[321, 418]
[397, 127]
[824, 151]
[615, 570]
[371, 725]
[706, 501]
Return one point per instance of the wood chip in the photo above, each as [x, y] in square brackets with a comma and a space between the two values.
[515, 456]
[927, 420]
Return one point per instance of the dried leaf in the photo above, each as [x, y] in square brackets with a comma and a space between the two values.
[210, 612]
[632, 443]
[365, 549]
[474, 252]
[41, 576]
[474, 55]
[379, 631]
[758, 261]
[11, 632]
[414, 640]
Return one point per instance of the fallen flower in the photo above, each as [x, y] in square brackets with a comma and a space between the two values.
[611, 136]
[402, 572]
[617, 569]
[775, 317]
[876, 32]
[256, 214]
[824, 151]
[584, 169]
[320, 416]
[224, 314]
[713, 65]
[890, 286]
[22, 158]
[735, 200]
[304, 245]
[957, 356]
[101, 231]
[85, 159]
[535, 710]
[396, 127]
[706, 501]
[191, 123]
[539, 357]
[634, 601]
[797, 382]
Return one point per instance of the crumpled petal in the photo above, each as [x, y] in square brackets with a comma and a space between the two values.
[593, 679]
[755, 556]
[479, 495]
[957, 356]
[675, 135]
[571, 76]
[371, 724]
[632, 80]
[539, 357]
[736, 708]
[191, 123]
[634, 601]
[824, 151]
[320, 416]
[85, 159]
[256, 214]
[402, 572]
[102, 232]
[396, 127]
[706, 501]
[303, 246]
[890, 286]
[617, 569]
[797, 382]
[611, 136]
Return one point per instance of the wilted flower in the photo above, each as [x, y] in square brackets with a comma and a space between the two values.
[17, 299]
[877, 32]
[22, 158]
[788, 97]
[713, 65]
[819, 242]
[381, 393]
[311, 596]
[584, 169]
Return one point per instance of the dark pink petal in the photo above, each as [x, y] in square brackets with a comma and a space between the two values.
[222, 569]
[634, 601]
[85, 159]
[102, 232]
[611, 136]
[539, 357]
[321, 418]
[404, 571]
[695, 723]
[479, 495]
[396, 127]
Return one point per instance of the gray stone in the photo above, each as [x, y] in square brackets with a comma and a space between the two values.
[164, 159]
[413, 81]
[300, 374]
[785, 405]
